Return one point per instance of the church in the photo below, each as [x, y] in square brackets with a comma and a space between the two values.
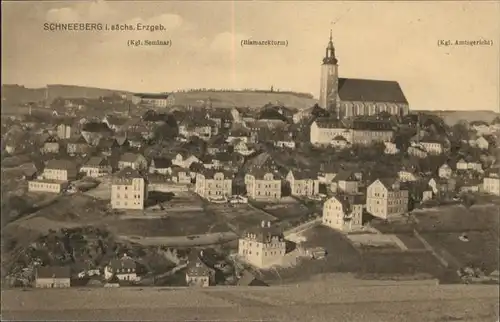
[349, 97]
[347, 100]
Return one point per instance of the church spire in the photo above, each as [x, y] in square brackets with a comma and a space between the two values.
[330, 52]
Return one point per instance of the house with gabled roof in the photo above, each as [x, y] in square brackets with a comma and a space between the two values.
[197, 272]
[215, 184]
[445, 171]
[323, 130]
[226, 160]
[262, 184]
[262, 246]
[386, 199]
[129, 189]
[180, 175]
[390, 148]
[96, 167]
[345, 181]
[60, 169]
[51, 145]
[417, 151]
[217, 144]
[468, 163]
[407, 174]
[185, 159]
[116, 123]
[442, 186]
[133, 160]
[303, 183]
[78, 145]
[339, 142]
[480, 142]
[68, 129]
[160, 165]
[470, 185]
[344, 213]
[107, 145]
[53, 277]
[432, 145]
[242, 147]
[124, 268]
[94, 131]
[491, 182]
[283, 139]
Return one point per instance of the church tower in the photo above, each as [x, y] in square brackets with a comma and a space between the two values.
[329, 79]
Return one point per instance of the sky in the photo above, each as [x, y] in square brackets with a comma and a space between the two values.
[373, 40]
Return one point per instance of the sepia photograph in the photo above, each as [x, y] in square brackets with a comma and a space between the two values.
[250, 161]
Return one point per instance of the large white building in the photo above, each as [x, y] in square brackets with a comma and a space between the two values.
[262, 247]
[385, 198]
[491, 183]
[343, 213]
[262, 184]
[129, 190]
[214, 183]
[324, 131]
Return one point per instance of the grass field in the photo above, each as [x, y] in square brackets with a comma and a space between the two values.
[240, 217]
[286, 211]
[189, 223]
[410, 241]
[458, 218]
[400, 263]
[341, 257]
[481, 250]
[251, 99]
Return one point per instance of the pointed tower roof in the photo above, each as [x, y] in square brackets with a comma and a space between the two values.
[330, 52]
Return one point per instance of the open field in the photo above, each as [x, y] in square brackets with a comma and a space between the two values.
[102, 191]
[481, 250]
[311, 302]
[341, 257]
[400, 263]
[374, 240]
[182, 241]
[251, 99]
[458, 218]
[411, 242]
[285, 210]
[240, 216]
[443, 219]
[168, 226]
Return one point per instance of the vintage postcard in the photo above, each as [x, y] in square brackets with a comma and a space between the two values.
[250, 160]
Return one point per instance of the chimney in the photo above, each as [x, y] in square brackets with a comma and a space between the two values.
[268, 224]
[263, 224]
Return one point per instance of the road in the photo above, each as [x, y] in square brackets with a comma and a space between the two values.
[308, 302]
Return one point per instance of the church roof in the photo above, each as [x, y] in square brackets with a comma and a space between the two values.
[352, 89]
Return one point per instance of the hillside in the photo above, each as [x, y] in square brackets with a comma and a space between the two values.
[18, 94]
[452, 117]
[243, 98]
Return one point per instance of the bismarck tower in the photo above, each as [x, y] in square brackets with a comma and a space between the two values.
[329, 80]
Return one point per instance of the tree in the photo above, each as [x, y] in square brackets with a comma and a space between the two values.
[459, 132]
[468, 201]
[166, 131]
